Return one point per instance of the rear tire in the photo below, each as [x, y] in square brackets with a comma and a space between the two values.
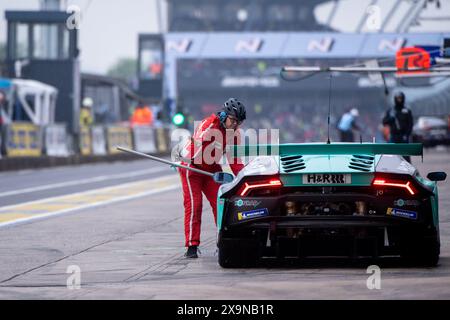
[237, 253]
[424, 253]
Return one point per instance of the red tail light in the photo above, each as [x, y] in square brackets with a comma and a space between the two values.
[248, 186]
[386, 182]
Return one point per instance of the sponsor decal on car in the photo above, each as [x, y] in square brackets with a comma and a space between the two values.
[325, 178]
[402, 213]
[401, 203]
[253, 214]
[247, 203]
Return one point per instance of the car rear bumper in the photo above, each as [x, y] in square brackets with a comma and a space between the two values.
[331, 210]
[301, 237]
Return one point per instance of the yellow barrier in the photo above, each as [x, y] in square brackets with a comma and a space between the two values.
[161, 140]
[23, 139]
[85, 141]
[118, 136]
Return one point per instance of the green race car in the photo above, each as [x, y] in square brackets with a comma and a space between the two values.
[295, 201]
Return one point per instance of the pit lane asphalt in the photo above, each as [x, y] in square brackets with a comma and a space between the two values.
[133, 250]
[29, 185]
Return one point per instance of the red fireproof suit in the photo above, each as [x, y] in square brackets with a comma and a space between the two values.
[204, 151]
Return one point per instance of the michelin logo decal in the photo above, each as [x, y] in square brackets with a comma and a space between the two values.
[402, 213]
[252, 214]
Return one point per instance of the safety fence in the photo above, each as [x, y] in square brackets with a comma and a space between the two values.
[23, 139]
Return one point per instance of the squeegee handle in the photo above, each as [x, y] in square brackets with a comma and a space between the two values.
[174, 164]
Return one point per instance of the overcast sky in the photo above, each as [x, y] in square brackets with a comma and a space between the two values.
[109, 28]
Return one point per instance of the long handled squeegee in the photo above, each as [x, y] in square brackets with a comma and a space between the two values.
[174, 164]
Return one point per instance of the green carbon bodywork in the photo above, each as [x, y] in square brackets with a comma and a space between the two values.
[434, 199]
[220, 207]
[435, 207]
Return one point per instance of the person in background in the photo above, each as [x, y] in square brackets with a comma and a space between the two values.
[86, 119]
[3, 112]
[400, 121]
[347, 124]
[142, 115]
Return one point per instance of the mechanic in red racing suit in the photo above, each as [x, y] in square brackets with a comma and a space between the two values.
[204, 151]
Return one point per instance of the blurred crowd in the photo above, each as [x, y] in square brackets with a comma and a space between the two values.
[310, 124]
[189, 69]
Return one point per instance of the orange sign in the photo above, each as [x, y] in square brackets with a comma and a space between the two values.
[412, 60]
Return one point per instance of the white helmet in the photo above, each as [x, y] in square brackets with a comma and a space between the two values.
[354, 112]
[88, 102]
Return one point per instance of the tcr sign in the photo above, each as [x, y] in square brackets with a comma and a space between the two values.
[412, 58]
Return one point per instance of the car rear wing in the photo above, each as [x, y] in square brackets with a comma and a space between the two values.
[403, 149]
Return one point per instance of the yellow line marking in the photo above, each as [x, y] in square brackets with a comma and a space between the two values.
[41, 207]
[86, 199]
[11, 216]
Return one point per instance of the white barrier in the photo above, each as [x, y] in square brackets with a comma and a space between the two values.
[55, 142]
[98, 140]
[144, 139]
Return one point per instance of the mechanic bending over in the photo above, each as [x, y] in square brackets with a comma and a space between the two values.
[399, 119]
[346, 125]
[193, 154]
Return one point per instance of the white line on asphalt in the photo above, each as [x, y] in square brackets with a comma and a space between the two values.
[86, 206]
[82, 181]
[82, 193]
